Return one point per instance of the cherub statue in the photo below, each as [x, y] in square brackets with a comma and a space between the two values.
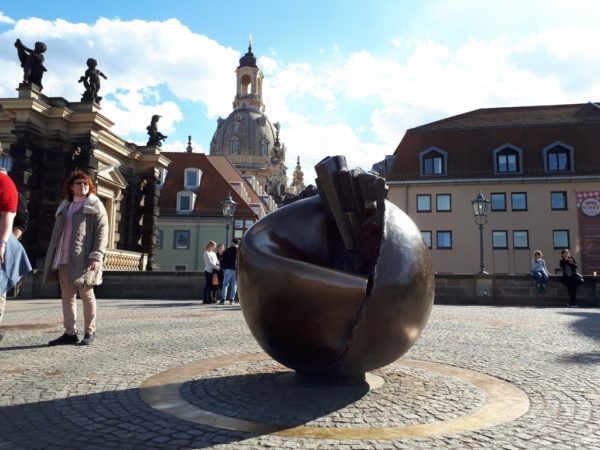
[91, 81]
[156, 137]
[32, 62]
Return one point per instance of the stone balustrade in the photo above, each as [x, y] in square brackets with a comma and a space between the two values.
[124, 260]
[499, 290]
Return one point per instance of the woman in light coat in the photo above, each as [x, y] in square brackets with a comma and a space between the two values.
[75, 255]
[211, 264]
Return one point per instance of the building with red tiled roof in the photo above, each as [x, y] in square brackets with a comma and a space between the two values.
[538, 165]
[191, 207]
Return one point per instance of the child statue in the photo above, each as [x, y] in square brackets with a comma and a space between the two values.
[155, 136]
[32, 62]
[91, 81]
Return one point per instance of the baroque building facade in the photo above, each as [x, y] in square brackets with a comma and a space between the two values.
[48, 138]
[247, 137]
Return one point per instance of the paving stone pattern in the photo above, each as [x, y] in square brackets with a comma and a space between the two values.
[265, 389]
[75, 397]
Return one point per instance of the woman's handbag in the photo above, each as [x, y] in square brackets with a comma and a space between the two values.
[579, 279]
[215, 279]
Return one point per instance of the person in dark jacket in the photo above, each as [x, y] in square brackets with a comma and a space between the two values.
[22, 218]
[570, 277]
[229, 272]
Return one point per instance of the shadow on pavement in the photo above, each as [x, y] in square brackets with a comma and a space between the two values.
[22, 347]
[276, 398]
[108, 420]
[122, 420]
[582, 358]
[588, 323]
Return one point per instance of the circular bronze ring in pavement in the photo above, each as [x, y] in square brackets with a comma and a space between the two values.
[503, 403]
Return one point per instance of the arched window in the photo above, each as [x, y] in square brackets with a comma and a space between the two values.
[246, 85]
[558, 157]
[508, 159]
[433, 161]
[264, 148]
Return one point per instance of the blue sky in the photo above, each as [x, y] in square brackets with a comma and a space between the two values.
[341, 76]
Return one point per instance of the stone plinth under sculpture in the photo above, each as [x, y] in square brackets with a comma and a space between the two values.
[338, 284]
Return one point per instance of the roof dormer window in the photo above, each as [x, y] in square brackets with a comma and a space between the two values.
[191, 178]
[558, 157]
[185, 202]
[508, 159]
[433, 161]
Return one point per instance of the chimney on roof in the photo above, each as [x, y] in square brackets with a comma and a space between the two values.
[189, 148]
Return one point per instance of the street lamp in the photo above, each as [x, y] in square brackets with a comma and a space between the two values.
[480, 205]
[228, 211]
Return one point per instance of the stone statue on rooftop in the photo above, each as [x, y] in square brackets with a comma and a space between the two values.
[91, 82]
[32, 62]
[156, 137]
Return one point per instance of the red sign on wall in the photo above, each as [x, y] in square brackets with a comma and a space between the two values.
[588, 217]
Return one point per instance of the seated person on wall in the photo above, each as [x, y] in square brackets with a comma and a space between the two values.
[539, 271]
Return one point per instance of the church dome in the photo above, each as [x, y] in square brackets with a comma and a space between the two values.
[245, 131]
[248, 60]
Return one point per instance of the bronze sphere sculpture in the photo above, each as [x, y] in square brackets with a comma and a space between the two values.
[332, 290]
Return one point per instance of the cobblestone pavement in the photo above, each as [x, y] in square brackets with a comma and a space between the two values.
[88, 397]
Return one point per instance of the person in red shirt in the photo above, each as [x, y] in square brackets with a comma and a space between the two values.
[8, 209]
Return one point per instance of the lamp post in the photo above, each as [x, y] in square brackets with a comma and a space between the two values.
[480, 205]
[228, 211]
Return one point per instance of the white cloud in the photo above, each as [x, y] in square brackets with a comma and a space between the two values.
[135, 55]
[131, 115]
[5, 19]
[153, 66]
[312, 142]
[179, 146]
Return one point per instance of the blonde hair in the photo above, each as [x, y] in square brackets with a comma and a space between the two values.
[538, 252]
[210, 243]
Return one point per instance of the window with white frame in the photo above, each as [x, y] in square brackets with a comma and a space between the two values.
[433, 161]
[185, 202]
[191, 178]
